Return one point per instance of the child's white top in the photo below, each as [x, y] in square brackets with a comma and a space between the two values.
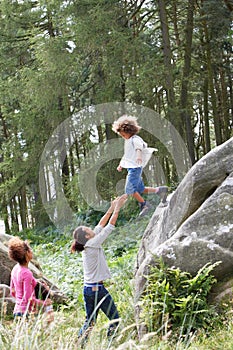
[131, 146]
[95, 267]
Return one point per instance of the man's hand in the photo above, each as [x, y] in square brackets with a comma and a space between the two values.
[119, 168]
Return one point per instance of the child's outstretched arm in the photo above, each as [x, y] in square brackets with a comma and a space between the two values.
[139, 156]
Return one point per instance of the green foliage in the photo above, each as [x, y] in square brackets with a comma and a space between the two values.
[59, 57]
[49, 235]
[174, 299]
[52, 249]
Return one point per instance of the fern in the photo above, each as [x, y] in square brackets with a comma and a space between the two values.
[175, 297]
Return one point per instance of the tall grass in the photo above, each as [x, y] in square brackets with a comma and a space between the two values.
[65, 271]
[62, 335]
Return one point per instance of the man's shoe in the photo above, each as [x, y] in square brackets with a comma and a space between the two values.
[163, 192]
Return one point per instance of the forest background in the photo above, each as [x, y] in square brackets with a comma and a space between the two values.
[59, 57]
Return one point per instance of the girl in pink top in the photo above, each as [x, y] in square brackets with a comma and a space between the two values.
[22, 285]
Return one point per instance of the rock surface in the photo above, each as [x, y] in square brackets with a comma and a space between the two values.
[197, 225]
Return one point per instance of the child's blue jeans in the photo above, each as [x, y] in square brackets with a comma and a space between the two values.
[98, 298]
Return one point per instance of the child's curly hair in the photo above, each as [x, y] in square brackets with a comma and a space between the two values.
[18, 249]
[127, 124]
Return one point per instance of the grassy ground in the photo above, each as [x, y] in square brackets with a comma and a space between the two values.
[65, 270]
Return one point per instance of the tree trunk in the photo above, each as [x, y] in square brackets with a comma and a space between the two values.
[109, 133]
[175, 23]
[184, 104]
[23, 207]
[229, 79]
[224, 106]
[5, 216]
[217, 125]
[167, 53]
[76, 146]
[206, 118]
[39, 214]
[100, 134]
[14, 215]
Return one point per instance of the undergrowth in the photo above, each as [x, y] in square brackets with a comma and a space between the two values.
[175, 302]
[175, 308]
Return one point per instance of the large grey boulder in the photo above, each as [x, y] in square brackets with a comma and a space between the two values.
[6, 265]
[197, 225]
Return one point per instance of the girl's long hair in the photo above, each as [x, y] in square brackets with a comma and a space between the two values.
[76, 247]
[80, 239]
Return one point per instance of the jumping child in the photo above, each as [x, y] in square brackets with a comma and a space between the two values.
[127, 127]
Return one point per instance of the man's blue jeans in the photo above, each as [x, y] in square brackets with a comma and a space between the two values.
[98, 298]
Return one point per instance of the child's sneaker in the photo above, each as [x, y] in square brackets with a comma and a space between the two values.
[163, 192]
[144, 208]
